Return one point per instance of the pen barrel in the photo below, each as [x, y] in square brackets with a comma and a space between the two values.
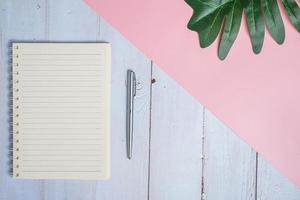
[131, 87]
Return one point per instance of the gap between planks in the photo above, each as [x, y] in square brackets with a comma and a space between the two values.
[152, 81]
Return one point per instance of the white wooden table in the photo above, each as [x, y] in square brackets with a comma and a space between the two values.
[181, 150]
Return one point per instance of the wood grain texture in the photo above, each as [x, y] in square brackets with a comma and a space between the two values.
[176, 143]
[20, 21]
[229, 163]
[76, 22]
[272, 185]
[73, 21]
[67, 21]
[129, 178]
[176, 124]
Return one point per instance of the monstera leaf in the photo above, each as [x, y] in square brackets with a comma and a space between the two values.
[210, 16]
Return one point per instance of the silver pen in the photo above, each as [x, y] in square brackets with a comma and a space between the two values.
[131, 92]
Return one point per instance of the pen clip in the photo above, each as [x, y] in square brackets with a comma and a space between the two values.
[133, 84]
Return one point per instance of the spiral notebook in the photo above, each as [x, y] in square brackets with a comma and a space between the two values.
[61, 110]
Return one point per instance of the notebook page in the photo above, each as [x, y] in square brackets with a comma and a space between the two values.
[61, 110]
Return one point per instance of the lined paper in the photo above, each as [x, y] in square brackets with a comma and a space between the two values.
[61, 110]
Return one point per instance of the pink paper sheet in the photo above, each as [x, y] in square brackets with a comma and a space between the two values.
[257, 96]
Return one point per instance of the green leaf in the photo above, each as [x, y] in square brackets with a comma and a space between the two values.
[203, 9]
[207, 19]
[293, 12]
[255, 24]
[273, 20]
[232, 27]
[209, 16]
[209, 31]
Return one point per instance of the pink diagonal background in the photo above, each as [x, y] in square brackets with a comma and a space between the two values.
[257, 96]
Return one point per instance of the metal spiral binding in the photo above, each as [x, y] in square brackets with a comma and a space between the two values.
[15, 111]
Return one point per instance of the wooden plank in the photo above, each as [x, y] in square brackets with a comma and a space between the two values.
[20, 21]
[176, 143]
[272, 185]
[229, 164]
[129, 178]
[74, 21]
[24, 21]
[176, 138]
[70, 21]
